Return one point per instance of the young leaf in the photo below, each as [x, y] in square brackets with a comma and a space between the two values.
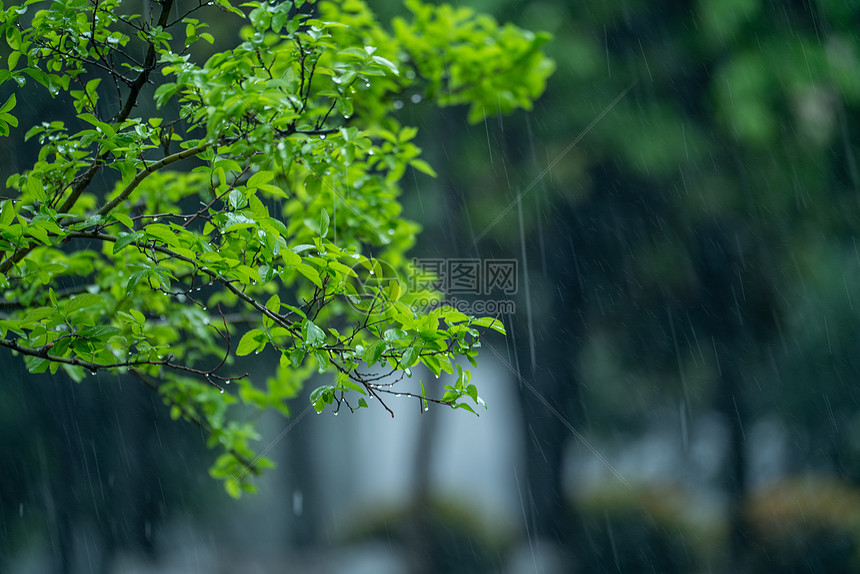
[250, 342]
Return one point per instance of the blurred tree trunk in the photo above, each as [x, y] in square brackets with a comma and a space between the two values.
[420, 540]
[730, 318]
[61, 473]
[303, 484]
[547, 349]
[732, 408]
[550, 516]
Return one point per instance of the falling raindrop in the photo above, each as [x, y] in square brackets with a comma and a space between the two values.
[416, 98]
[398, 104]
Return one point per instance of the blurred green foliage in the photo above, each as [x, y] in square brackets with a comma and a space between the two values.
[695, 251]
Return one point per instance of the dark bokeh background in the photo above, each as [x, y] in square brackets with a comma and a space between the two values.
[688, 275]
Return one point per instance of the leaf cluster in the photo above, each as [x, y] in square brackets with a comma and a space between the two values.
[251, 208]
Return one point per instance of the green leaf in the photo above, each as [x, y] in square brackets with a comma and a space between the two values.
[491, 323]
[432, 363]
[322, 361]
[324, 221]
[124, 219]
[423, 167]
[410, 357]
[321, 396]
[388, 64]
[274, 304]
[312, 334]
[297, 355]
[250, 342]
[163, 233]
[466, 407]
[105, 128]
[9, 104]
[313, 184]
[260, 178]
[13, 60]
[98, 332]
[348, 383]
[123, 240]
[82, 301]
[291, 257]
[7, 214]
[374, 352]
[311, 273]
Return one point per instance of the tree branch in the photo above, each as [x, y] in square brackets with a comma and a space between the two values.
[147, 171]
[281, 320]
[87, 177]
[148, 67]
[42, 353]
